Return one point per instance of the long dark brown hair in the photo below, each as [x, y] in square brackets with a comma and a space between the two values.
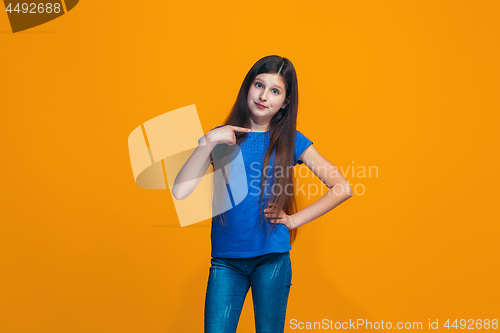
[282, 130]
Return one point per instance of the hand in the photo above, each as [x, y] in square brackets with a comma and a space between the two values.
[280, 218]
[225, 134]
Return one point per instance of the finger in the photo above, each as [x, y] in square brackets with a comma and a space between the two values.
[271, 216]
[271, 213]
[240, 129]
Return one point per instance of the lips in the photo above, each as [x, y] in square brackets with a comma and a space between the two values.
[261, 106]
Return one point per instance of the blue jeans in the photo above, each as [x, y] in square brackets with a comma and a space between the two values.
[269, 276]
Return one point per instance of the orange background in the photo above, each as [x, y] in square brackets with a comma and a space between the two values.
[411, 88]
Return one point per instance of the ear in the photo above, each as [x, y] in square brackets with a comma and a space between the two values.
[285, 102]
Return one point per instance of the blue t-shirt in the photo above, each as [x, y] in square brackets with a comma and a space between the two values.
[242, 237]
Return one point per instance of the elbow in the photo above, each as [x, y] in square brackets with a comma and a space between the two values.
[178, 195]
[345, 191]
[349, 191]
[342, 189]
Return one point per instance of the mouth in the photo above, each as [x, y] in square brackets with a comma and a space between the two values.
[260, 106]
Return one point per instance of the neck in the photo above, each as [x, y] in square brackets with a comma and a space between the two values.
[256, 127]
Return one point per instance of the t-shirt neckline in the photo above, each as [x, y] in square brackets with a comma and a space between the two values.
[260, 132]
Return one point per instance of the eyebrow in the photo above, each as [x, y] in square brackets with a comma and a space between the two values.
[264, 82]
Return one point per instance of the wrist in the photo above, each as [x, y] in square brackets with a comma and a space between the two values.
[293, 222]
[205, 141]
[208, 141]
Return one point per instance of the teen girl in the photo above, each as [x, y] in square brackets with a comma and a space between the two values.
[251, 241]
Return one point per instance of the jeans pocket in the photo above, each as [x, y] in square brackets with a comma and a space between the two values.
[216, 262]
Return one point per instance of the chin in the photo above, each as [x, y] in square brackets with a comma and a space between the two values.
[260, 114]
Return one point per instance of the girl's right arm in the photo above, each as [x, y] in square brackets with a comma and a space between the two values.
[195, 167]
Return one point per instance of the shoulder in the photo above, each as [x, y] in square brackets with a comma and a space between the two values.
[301, 138]
[299, 135]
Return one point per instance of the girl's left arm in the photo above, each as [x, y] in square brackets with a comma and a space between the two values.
[339, 189]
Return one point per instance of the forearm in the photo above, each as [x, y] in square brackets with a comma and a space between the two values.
[331, 199]
[191, 172]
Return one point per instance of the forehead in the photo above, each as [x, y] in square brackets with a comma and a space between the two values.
[271, 79]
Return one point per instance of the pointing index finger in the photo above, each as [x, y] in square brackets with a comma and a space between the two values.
[240, 129]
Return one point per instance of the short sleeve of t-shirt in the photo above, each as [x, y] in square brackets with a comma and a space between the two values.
[301, 144]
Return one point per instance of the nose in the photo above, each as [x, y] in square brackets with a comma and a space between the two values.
[263, 96]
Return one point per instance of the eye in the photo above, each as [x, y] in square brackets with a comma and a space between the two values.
[276, 91]
[257, 84]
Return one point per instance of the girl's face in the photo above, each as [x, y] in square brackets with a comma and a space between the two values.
[265, 97]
